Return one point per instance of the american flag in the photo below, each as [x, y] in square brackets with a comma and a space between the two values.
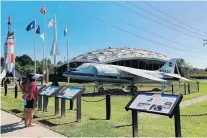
[50, 23]
[43, 10]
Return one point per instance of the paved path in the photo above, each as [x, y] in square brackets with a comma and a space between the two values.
[11, 126]
[193, 101]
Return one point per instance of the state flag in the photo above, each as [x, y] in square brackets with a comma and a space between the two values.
[31, 26]
[38, 30]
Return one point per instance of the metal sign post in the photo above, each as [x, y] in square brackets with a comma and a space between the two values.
[51, 91]
[177, 122]
[5, 89]
[16, 91]
[56, 105]
[45, 103]
[40, 88]
[134, 124]
[62, 107]
[71, 94]
[162, 104]
[108, 107]
[78, 108]
[39, 102]
[71, 104]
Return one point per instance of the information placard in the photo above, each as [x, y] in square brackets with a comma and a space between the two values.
[49, 90]
[39, 86]
[69, 93]
[154, 103]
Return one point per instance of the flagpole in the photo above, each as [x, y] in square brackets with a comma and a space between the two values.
[55, 57]
[14, 53]
[43, 49]
[47, 72]
[68, 68]
[34, 47]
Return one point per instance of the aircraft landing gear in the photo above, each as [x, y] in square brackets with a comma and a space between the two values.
[133, 89]
[101, 89]
[99, 86]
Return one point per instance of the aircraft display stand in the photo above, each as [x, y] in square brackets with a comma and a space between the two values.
[161, 104]
[71, 93]
[40, 88]
[51, 91]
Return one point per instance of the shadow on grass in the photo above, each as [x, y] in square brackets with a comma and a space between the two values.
[47, 123]
[50, 124]
[16, 111]
[122, 126]
[34, 116]
[96, 119]
[11, 127]
[44, 116]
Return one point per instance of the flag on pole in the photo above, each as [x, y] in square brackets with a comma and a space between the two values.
[50, 23]
[31, 26]
[43, 10]
[65, 31]
[38, 30]
[55, 49]
[42, 36]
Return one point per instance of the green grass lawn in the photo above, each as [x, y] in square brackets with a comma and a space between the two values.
[93, 121]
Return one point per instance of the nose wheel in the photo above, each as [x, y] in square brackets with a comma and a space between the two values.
[133, 89]
[101, 89]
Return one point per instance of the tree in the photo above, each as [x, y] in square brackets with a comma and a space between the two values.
[59, 63]
[184, 68]
[2, 61]
[24, 60]
[206, 69]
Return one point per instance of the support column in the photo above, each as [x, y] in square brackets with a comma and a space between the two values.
[108, 107]
[134, 124]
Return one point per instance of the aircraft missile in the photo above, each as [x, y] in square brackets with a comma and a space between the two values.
[9, 55]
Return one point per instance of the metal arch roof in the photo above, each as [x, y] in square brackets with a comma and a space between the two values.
[115, 54]
[112, 54]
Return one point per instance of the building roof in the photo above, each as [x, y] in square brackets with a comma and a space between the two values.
[115, 54]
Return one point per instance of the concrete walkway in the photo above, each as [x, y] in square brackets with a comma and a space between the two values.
[11, 126]
[193, 101]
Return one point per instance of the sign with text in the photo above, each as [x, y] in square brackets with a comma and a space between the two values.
[69, 93]
[154, 103]
[50, 90]
[39, 86]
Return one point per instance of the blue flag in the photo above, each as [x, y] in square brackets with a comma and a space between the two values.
[38, 30]
[65, 31]
[31, 26]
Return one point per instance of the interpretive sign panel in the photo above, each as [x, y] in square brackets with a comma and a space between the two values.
[50, 90]
[69, 93]
[39, 86]
[154, 103]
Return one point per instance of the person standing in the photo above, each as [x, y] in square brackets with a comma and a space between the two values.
[22, 86]
[31, 98]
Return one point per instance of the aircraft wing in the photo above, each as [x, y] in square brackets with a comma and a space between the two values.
[176, 76]
[138, 73]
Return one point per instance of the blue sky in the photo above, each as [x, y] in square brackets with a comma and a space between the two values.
[86, 33]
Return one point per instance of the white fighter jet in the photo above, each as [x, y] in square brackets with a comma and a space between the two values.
[126, 76]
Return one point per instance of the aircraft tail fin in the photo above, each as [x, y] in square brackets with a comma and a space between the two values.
[169, 67]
